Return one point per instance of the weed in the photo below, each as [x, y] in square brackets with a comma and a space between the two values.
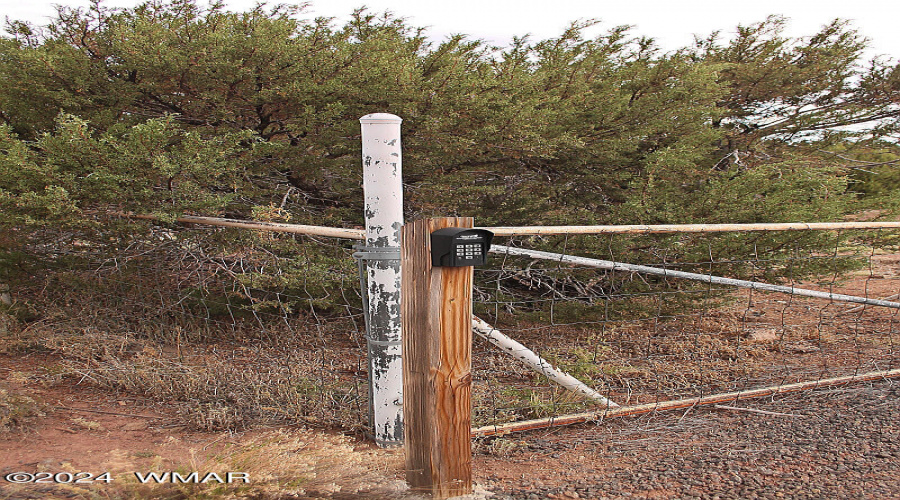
[87, 424]
[17, 410]
[503, 447]
[220, 390]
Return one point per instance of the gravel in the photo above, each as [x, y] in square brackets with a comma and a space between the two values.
[834, 444]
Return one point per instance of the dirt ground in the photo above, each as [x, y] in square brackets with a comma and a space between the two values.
[79, 428]
[780, 447]
[823, 444]
[841, 442]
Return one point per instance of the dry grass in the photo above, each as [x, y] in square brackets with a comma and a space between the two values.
[175, 323]
[218, 386]
[237, 374]
[179, 322]
[232, 358]
[17, 410]
[280, 464]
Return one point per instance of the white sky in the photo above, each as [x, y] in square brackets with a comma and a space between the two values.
[671, 22]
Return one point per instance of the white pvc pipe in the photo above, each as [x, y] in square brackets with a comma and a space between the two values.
[383, 189]
[536, 362]
[705, 278]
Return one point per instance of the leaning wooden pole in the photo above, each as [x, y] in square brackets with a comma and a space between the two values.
[535, 362]
[436, 305]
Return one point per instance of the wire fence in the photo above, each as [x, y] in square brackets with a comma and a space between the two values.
[236, 327]
[663, 328]
[233, 327]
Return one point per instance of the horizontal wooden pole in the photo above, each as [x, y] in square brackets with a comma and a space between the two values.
[359, 234]
[687, 228]
[278, 227]
[579, 418]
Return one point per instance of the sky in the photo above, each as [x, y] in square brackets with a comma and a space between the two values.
[672, 23]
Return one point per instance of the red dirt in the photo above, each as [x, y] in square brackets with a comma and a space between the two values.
[85, 428]
[93, 429]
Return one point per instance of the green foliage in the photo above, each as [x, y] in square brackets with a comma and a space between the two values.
[12, 264]
[171, 107]
[562, 130]
[875, 171]
[308, 280]
[791, 89]
[153, 166]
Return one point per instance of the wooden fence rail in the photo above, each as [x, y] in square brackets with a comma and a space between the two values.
[689, 228]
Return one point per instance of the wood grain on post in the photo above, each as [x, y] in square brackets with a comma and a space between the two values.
[436, 305]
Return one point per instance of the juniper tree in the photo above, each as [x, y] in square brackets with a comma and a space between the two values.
[170, 107]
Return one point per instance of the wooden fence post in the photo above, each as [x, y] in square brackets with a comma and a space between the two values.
[436, 304]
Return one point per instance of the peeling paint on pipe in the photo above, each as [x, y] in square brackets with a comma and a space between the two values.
[383, 188]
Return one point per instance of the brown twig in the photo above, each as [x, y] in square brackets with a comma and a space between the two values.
[753, 410]
[109, 412]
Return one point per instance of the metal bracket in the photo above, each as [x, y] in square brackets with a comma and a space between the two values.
[383, 342]
[363, 254]
[376, 253]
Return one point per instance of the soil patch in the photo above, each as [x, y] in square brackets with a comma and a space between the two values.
[74, 428]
